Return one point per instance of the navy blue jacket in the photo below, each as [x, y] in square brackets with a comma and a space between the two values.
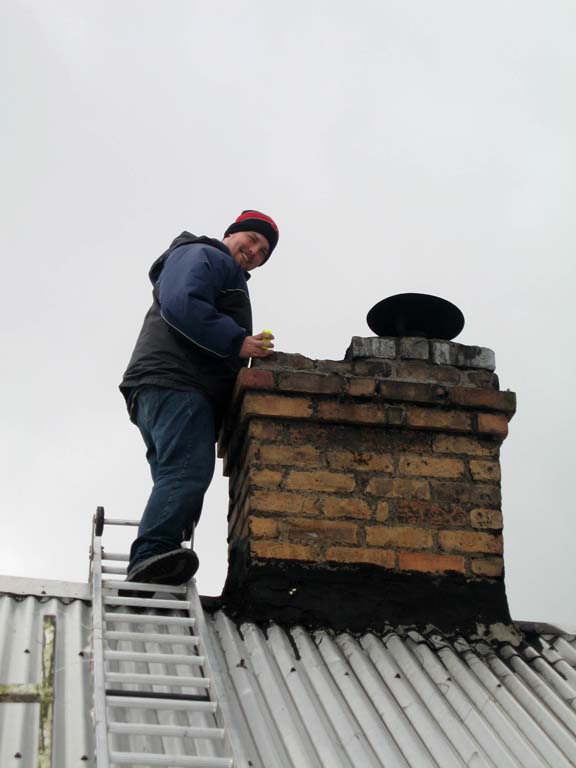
[193, 332]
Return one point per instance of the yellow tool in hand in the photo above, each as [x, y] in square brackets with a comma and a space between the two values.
[268, 333]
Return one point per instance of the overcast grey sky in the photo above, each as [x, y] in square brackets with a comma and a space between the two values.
[401, 146]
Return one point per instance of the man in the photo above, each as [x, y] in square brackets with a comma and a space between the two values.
[194, 340]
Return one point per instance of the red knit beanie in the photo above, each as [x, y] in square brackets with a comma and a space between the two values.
[254, 221]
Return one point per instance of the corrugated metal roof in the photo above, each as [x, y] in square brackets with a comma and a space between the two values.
[21, 637]
[405, 699]
[301, 699]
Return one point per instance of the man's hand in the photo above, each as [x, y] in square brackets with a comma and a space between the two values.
[257, 346]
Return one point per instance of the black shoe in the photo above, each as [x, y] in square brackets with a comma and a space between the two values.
[176, 567]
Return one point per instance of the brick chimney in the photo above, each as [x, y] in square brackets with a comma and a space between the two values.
[366, 492]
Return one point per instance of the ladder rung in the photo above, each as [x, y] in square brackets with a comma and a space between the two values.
[119, 570]
[176, 761]
[118, 556]
[151, 702]
[138, 586]
[182, 731]
[154, 658]
[113, 693]
[151, 637]
[174, 681]
[139, 602]
[118, 521]
[142, 618]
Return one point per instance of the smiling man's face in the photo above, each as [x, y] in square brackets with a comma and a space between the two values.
[249, 249]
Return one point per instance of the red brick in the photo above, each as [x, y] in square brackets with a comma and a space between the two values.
[285, 360]
[320, 481]
[333, 506]
[382, 557]
[357, 413]
[361, 387]
[253, 378]
[263, 527]
[275, 405]
[412, 538]
[493, 567]
[394, 488]
[485, 470]
[302, 455]
[275, 501]
[265, 478]
[486, 518]
[320, 531]
[280, 550]
[318, 383]
[473, 446]
[466, 493]
[465, 541]
[435, 418]
[430, 563]
[427, 466]
[490, 399]
[493, 424]
[426, 513]
[360, 460]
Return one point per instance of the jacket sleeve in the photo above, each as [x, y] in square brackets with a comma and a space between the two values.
[187, 290]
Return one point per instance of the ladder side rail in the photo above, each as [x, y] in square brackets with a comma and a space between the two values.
[216, 699]
[100, 715]
[219, 680]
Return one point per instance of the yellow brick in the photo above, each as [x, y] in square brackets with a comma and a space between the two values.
[357, 413]
[276, 501]
[467, 445]
[382, 511]
[382, 557]
[464, 541]
[394, 488]
[263, 527]
[301, 455]
[255, 404]
[320, 481]
[320, 531]
[493, 424]
[429, 466]
[486, 518]
[493, 567]
[280, 550]
[333, 506]
[368, 462]
[264, 429]
[485, 470]
[412, 538]
[265, 478]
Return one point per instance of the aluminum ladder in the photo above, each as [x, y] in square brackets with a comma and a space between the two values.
[173, 719]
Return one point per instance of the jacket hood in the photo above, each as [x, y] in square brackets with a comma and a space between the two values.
[185, 238]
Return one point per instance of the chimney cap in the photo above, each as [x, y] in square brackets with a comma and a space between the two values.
[416, 314]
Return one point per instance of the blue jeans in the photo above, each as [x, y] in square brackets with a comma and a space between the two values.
[179, 432]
